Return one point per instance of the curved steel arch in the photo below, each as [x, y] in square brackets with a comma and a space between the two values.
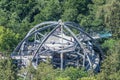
[41, 24]
[72, 24]
[32, 32]
[69, 49]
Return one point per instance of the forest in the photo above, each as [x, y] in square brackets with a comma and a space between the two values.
[17, 17]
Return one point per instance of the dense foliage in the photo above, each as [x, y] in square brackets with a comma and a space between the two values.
[18, 16]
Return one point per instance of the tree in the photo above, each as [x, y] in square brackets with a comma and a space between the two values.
[45, 72]
[7, 70]
[89, 21]
[73, 73]
[49, 11]
[60, 78]
[8, 39]
[73, 8]
[110, 15]
[110, 67]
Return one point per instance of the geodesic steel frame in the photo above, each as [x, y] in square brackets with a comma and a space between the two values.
[84, 53]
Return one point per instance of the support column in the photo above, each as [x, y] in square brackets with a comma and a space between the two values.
[61, 57]
[61, 54]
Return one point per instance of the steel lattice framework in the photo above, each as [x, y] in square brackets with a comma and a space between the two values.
[64, 43]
